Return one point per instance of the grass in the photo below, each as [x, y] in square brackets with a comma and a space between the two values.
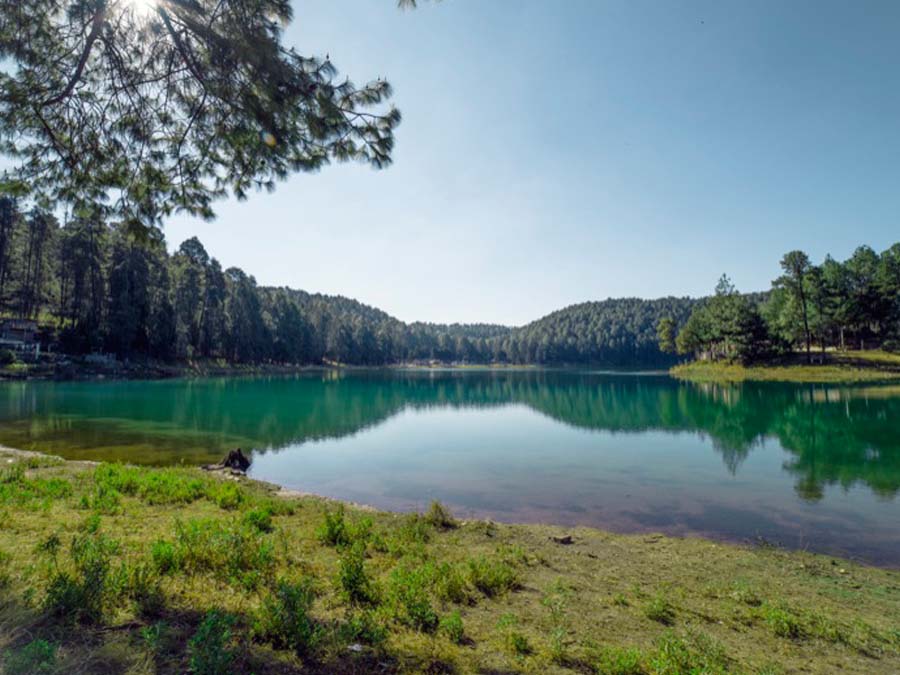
[177, 573]
[843, 367]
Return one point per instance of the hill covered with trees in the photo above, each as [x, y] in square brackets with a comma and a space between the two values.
[97, 288]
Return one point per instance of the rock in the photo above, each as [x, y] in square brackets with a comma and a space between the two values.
[565, 540]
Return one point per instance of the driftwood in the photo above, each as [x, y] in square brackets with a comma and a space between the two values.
[235, 462]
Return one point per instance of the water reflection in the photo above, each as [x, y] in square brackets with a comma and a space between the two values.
[835, 436]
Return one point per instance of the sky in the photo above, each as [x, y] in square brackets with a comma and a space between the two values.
[558, 152]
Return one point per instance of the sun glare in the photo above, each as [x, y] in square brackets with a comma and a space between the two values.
[142, 7]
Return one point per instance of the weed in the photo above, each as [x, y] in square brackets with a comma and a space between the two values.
[353, 580]
[408, 596]
[160, 486]
[619, 661]
[210, 647]
[439, 516]
[415, 529]
[143, 587]
[229, 551]
[154, 636]
[38, 656]
[744, 594]
[451, 583]
[164, 556]
[782, 623]
[226, 495]
[620, 600]
[259, 519]
[515, 642]
[660, 609]
[284, 620]
[83, 592]
[333, 530]
[452, 626]
[492, 576]
[5, 573]
[697, 654]
[362, 626]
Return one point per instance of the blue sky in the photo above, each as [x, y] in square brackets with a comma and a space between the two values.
[557, 152]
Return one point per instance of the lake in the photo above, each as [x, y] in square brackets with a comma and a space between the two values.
[803, 466]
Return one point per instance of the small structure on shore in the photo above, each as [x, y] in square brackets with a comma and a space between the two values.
[19, 335]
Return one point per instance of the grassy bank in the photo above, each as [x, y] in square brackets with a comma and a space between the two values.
[839, 367]
[108, 569]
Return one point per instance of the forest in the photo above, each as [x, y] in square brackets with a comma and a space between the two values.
[96, 288]
[853, 304]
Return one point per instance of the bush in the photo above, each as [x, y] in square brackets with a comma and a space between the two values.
[515, 642]
[783, 623]
[143, 587]
[157, 486]
[84, 592]
[284, 619]
[451, 584]
[226, 495]
[408, 595]
[259, 519]
[619, 661]
[439, 516]
[38, 656]
[660, 609]
[5, 574]
[231, 552]
[697, 654]
[363, 627]
[333, 530]
[452, 626]
[892, 346]
[7, 357]
[354, 582]
[209, 648]
[165, 558]
[492, 576]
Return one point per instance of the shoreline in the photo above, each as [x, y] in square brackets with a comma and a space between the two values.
[521, 597]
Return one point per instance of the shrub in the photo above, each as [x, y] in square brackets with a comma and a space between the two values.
[362, 626]
[408, 595]
[259, 519]
[515, 642]
[38, 656]
[333, 530]
[660, 609]
[165, 558]
[451, 584]
[5, 574]
[492, 576]
[439, 516]
[414, 530]
[354, 582]
[697, 654]
[229, 551]
[157, 486]
[619, 661]
[452, 626]
[143, 587]
[283, 619]
[154, 636]
[84, 592]
[7, 357]
[209, 648]
[226, 495]
[782, 623]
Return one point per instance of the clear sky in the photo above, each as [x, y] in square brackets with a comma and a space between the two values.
[554, 152]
